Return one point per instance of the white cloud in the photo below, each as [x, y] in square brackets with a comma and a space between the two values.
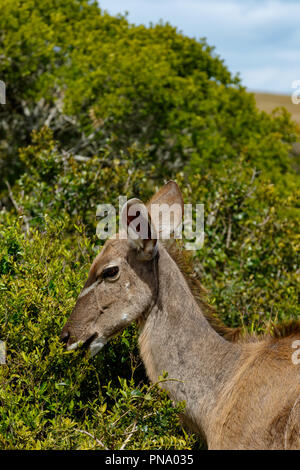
[261, 39]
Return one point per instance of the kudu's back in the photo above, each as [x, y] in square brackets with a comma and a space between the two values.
[260, 408]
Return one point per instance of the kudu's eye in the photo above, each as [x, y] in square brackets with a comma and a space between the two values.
[111, 273]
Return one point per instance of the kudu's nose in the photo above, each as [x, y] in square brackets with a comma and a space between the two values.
[65, 335]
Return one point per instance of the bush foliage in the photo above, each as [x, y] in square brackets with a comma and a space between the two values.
[97, 108]
[102, 83]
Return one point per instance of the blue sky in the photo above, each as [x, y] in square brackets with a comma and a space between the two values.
[258, 38]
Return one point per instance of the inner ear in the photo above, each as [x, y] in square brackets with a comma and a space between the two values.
[142, 235]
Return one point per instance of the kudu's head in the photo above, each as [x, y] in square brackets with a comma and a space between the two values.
[122, 284]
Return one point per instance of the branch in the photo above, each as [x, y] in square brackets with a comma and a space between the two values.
[100, 443]
[18, 209]
[228, 233]
[134, 429]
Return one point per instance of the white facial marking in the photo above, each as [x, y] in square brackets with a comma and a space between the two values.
[97, 345]
[88, 289]
[124, 316]
[73, 346]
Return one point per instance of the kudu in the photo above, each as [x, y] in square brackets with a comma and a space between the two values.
[241, 394]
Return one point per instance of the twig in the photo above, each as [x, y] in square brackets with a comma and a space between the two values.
[265, 221]
[129, 436]
[93, 437]
[122, 416]
[50, 116]
[228, 233]
[81, 158]
[254, 173]
[18, 209]
[127, 182]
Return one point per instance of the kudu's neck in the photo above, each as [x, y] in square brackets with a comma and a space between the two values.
[176, 338]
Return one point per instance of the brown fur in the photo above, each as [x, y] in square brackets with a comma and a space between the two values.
[260, 374]
[185, 263]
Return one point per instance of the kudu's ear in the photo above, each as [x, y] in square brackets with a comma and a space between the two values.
[136, 221]
[166, 208]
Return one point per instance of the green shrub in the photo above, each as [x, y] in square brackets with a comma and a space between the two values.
[101, 82]
[144, 105]
[250, 258]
